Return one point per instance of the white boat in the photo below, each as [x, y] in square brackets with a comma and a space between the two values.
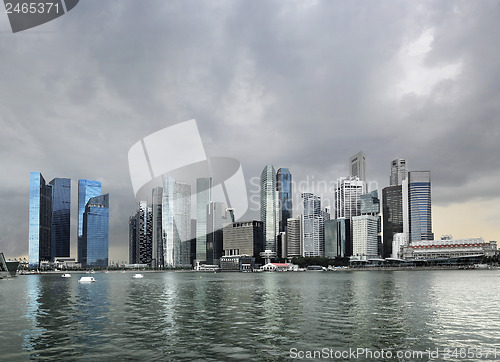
[138, 276]
[66, 275]
[86, 280]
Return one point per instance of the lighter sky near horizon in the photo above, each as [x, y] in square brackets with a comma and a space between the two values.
[297, 84]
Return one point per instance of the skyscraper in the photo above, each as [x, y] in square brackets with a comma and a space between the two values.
[86, 190]
[348, 193]
[95, 238]
[217, 217]
[132, 240]
[40, 220]
[284, 188]
[176, 223]
[392, 216]
[203, 198]
[399, 171]
[294, 236]
[357, 166]
[365, 237]
[419, 198]
[144, 234]
[61, 212]
[338, 241]
[313, 240]
[157, 237]
[268, 206]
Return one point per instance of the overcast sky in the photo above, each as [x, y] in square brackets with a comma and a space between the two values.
[297, 84]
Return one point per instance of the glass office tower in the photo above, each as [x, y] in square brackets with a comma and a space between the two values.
[95, 238]
[268, 203]
[40, 220]
[419, 198]
[86, 190]
[392, 216]
[203, 198]
[61, 205]
[313, 238]
[284, 188]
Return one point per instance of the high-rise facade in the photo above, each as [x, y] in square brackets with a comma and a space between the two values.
[217, 216]
[243, 238]
[132, 240]
[392, 217]
[284, 188]
[294, 236]
[157, 237]
[365, 237]
[419, 199]
[176, 223]
[61, 221]
[338, 241]
[268, 206]
[348, 193]
[40, 220]
[313, 240]
[144, 234]
[357, 166]
[203, 198]
[86, 190]
[95, 237]
[399, 171]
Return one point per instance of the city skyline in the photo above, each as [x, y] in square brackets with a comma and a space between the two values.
[422, 88]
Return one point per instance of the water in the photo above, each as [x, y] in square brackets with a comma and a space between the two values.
[245, 316]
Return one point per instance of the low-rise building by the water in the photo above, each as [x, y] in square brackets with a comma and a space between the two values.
[434, 249]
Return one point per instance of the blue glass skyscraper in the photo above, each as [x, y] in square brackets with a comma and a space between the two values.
[268, 203]
[61, 205]
[419, 200]
[86, 190]
[40, 219]
[95, 238]
[284, 188]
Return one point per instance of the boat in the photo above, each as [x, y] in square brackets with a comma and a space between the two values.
[138, 276]
[66, 275]
[8, 268]
[87, 280]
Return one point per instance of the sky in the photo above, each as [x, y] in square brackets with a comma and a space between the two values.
[296, 84]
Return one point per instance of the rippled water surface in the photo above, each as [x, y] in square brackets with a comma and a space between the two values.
[245, 316]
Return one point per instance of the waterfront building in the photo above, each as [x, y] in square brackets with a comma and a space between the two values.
[95, 238]
[61, 221]
[398, 242]
[268, 207]
[435, 249]
[132, 239]
[357, 166]
[313, 239]
[203, 198]
[365, 237]
[338, 241]
[392, 217]
[86, 190]
[294, 237]
[176, 223]
[284, 188]
[40, 220]
[399, 171]
[243, 238]
[144, 234]
[237, 263]
[217, 216]
[419, 199]
[348, 193]
[157, 237]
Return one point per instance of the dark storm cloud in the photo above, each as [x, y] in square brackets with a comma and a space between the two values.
[299, 84]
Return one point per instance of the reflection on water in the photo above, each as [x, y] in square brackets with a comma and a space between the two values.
[240, 316]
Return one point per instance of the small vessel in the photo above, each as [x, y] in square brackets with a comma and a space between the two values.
[138, 276]
[66, 275]
[86, 280]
